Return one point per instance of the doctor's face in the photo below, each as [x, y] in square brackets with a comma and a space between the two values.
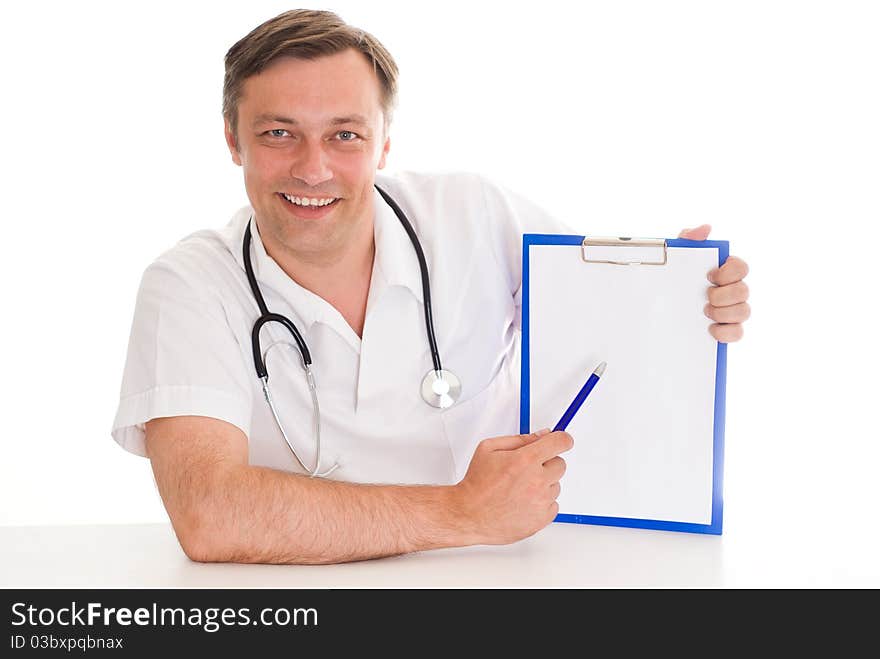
[311, 136]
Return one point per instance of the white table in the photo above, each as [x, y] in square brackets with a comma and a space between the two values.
[560, 556]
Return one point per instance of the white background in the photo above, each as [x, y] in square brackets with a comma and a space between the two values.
[623, 118]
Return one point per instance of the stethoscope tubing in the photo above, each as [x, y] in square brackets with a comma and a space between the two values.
[442, 398]
[423, 270]
[266, 316]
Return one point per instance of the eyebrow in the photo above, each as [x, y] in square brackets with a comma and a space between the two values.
[336, 121]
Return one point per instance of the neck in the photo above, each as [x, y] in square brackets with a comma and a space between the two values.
[330, 270]
[341, 277]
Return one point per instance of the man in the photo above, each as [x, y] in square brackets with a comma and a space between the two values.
[307, 105]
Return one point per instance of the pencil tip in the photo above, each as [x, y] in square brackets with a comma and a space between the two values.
[600, 369]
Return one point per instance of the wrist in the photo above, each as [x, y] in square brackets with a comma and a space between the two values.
[458, 504]
[439, 518]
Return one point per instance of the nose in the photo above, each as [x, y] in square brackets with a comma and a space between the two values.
[311, 164]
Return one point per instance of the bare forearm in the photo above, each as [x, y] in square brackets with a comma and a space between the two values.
[260, 515]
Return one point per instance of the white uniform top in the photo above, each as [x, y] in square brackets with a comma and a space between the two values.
[190, 347]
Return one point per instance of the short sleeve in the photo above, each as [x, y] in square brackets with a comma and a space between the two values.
[511, 215]
[183, 358]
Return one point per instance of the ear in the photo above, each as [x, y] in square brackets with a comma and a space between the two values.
[231, 143]
[385, 149]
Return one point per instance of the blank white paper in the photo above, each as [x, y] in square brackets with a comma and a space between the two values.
[643, 444]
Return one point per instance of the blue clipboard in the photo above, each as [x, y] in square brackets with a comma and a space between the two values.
[569, 295]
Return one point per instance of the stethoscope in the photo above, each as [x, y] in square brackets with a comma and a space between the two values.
[439, 388]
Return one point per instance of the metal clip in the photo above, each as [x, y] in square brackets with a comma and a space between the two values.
[623, 242]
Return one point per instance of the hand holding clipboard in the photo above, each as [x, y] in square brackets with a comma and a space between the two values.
[639, 459]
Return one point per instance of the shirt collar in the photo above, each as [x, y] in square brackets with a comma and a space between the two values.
[395, 263]
[395, 254]
[309, 308]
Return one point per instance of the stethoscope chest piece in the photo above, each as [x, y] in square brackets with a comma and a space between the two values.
[441, 388]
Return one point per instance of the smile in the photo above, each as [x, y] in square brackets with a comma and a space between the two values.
[309, 201]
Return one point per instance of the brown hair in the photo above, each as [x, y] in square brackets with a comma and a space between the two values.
[304, 34]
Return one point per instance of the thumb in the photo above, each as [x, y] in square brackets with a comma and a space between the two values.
[699, 233]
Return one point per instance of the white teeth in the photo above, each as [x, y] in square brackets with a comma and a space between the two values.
[308, 201]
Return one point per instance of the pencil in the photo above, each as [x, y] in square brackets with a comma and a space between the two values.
[580, 398]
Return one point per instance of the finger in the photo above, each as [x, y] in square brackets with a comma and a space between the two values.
[726, 333]
[550, 445]
[554, 469]
[555, 489]
[725, 296]
[736, 313]
[509, 442]
[535, 436]
[733, 270]
[699, 233]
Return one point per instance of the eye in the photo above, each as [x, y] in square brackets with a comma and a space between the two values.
[276, 132]
[347, 135]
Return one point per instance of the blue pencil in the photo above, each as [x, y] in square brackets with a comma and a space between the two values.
[580, 398]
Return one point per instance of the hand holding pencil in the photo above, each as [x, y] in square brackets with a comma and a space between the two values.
[510, 489]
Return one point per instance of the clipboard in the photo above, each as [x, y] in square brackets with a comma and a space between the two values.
[649, 442]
